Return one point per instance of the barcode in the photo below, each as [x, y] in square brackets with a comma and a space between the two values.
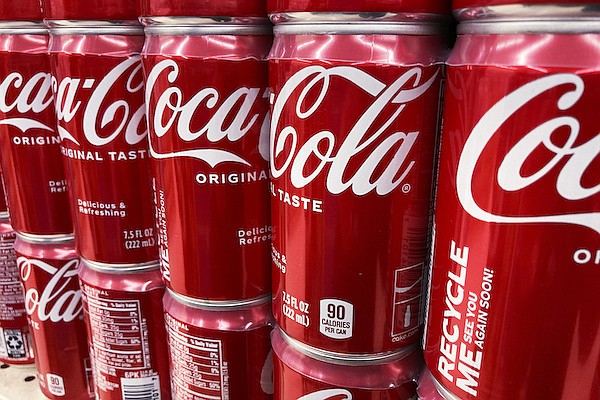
[141, 388]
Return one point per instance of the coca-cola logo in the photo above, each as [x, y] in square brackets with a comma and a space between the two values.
[60, 299]
[31, 96]
[368, 140]
[328, 394]
[104, 117]
[510, 178]
[231, 118]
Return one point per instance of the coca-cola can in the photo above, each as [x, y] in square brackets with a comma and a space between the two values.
[48, 270]
[32, 164]
[16, 346]
[101, 120]
[353, 137]
[126, 331]
[306, 373]
[515, 270]
[219, 350]
[209, 145]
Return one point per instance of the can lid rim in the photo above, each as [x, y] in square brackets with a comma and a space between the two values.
[359, 28]
[347, 358]
[121, 268]
[93, 27]
[531, 25]
[45, 239]
[219, 305]
[527, 11]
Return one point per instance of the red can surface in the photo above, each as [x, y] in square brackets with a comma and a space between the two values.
[360, 6]
[126, 331]
[209, 144]
[352, 152]
[101, 120]
[91, 10]
[513, 297]
[53, 303]
[26, 10]
[16, 346]
[32, 165]
[305, 373]
[204, 8]
[3, 205]
[219, 351]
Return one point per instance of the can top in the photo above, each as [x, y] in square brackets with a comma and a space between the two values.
[343, 358]
[22, 10]
[512, 9]
[45, 239]
[211, 305]
[117, 10]
[458, 4]
[121, 268]
[360, 6]
[204, 8]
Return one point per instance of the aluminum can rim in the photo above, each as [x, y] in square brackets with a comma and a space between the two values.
[22, 27]
[45, 239]
[537, 11]
[122, 268]
[532, 25]
[345, 358]
[206, 20]
[318, 17]
[93, 27]
[4, 216]
[360, 28]
[215, 29]
[219, 305]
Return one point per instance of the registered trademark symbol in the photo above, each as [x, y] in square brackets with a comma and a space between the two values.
[406, 188]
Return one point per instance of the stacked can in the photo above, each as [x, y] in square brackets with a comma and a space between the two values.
[513, 299]
[48, 269]
[39, 212]
[208, 114]
[95, 53]
[355, 108]
[16, 346]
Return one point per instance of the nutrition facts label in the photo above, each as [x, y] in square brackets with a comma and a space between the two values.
[199, 371]
[119, 333]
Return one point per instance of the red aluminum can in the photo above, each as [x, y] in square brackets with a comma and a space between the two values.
[48, 269]
[101, 120]
[209, 145]
[407, 7]
[32, 164]
[514, 286]
[219, 350]
[126, 331]
[306, 373]
[353, 134]
[16, 346]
